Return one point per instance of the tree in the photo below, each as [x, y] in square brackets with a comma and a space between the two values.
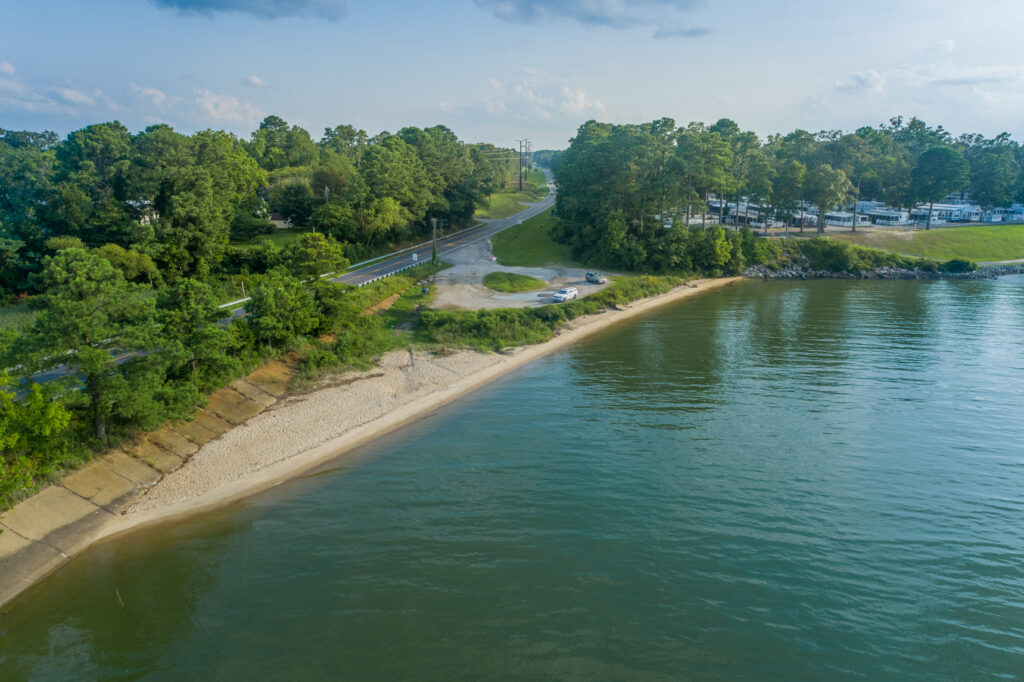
[337, 220]
[314, 254]
[705, 159]
[277, 145]
[189, 313]
[281, 309]
[92, 168]
[994, 176]
[133, 265]
[938, 171]
[293, 200]
[826, 187]
[787, 189]
[91, 315]
[32, 435]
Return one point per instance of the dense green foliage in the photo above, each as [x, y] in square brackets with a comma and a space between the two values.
[512, 282]
[620, 185]
[117, 249]
[833, 255]
[493, 330]
[162, 206]
[628, 192]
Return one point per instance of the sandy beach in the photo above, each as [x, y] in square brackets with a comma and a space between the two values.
[305, 430]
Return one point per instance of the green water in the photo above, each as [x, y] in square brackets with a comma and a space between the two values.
[820, 480]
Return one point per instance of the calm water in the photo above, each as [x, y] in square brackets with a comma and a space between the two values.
[819, 480]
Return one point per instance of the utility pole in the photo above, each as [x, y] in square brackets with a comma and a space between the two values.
[521, 164]
[433, 256]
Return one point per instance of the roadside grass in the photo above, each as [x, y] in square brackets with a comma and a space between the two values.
[531, 245]
[505, 205]
[974, 242]
[512, 282]
[17, 317]
[496, 329]
[510, 201]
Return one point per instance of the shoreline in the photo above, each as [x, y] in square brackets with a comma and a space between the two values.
[253, 456]
[228, 492]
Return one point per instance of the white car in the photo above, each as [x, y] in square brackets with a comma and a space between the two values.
[566, 294]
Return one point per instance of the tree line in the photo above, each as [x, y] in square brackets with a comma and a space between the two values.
[620, 185]
[120, 244]
[163, 206]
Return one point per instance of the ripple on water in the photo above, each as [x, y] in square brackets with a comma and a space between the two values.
[787, 480]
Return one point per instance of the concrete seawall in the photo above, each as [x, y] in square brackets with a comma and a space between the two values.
[42, 532]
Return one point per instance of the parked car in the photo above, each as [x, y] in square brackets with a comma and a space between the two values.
[596, 278]
[566, 294]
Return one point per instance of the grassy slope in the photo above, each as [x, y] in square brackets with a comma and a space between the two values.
[505, 204]
[531, 245]
[511, 282]
[976, 242]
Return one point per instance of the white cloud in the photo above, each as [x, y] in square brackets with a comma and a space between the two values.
[72, 96]
[253, 81]
[577, 104]
[6, 68]
[227, 108]
[869, 81]
[154, 97]
[538, 96]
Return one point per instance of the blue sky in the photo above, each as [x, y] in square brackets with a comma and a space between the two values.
[500, 70]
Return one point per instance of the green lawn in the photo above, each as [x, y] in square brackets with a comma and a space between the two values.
[512, 283]
[974, 242]
[504, 205]
[512, 201]
[531, 245]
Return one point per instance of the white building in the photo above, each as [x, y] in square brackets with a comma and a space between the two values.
[1013, 214]
[844, 219]
[869, 206]
[947, 213]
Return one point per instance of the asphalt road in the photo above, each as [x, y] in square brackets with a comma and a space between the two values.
[445, 245]
[389, 265]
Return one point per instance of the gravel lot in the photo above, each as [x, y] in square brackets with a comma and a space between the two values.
[461, 286]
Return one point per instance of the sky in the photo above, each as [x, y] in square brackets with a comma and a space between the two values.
[502, 70]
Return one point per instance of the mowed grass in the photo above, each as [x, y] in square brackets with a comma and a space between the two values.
[974, 242]
[510, 202]
[504, 205]
[531, 245]
[512, 283]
